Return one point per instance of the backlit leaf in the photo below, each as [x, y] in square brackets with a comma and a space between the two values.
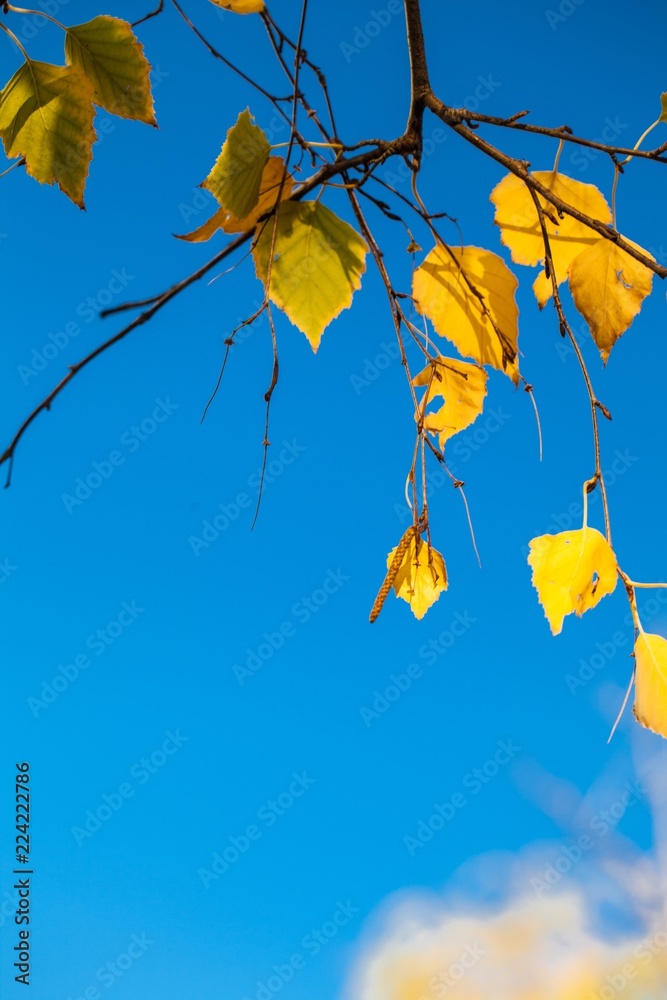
[608, 287]
[651, 682]
[46, 115]
[318, 260]
[463, 388]
[421, 576]
[241, 6]
[268, 192]
[108, 52]
[663, 106]
[237, 175]
[572, 572]
[520, 229]
[468, 294]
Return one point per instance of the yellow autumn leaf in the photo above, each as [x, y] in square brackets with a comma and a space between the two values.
[447, 288]
[108, 52]
[608, 287]
[237, 174]
[572, 572]
[651, 682]
[463, 388]
[520, 229]
[268, 193]
[318, 260]
[46, 116]
[421, 576]
[241, 6]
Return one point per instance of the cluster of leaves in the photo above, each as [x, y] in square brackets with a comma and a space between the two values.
[47, 111]
[311, 261]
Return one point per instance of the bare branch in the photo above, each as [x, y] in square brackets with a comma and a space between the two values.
[170, 293]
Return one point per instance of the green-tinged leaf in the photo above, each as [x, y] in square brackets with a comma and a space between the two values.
[113, 59]
[236, 177]
[46, 115]
[273, 177]
[663, 105]
[318, 260]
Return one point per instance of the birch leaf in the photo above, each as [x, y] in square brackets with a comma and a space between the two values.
[520, 229]
[241, 6]
[419, 580]
[268, 192]
[572, 572]
[318, 260]
[462, 386]
[108, 52]
[236, 177]
[468, 294]
[650, 706]
[608, 287]
[46, 115]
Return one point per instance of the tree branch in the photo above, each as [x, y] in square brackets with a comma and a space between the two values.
[521, 169]
[420, 84]
[170, 293]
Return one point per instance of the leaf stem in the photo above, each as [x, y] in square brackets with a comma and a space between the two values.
[558, 152]
[34, 13]
[641, 139]
[614, 187]
[13, 37]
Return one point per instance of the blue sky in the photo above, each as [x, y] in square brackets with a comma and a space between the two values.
[282, 768]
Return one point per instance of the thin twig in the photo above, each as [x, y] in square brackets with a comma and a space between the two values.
[153, 13]
[170, 293]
